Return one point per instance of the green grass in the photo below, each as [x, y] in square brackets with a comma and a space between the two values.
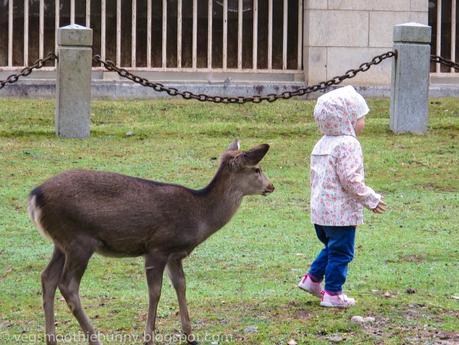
[246, 274]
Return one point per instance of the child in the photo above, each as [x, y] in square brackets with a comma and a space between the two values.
[338, 192]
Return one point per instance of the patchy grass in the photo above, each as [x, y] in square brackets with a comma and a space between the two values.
[242, 281]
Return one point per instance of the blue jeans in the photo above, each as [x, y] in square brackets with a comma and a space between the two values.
[332, 261]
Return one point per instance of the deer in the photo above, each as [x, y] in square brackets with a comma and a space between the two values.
[85, 212]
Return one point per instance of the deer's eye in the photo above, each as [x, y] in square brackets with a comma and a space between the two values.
[257, 170]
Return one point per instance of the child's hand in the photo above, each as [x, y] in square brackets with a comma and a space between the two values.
[381, 208]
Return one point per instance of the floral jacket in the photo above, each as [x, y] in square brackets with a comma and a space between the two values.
[338, 190]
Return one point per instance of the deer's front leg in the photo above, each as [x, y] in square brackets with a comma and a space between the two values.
[177, 276]
[154, 269]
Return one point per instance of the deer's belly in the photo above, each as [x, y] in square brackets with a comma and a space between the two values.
[122, 248]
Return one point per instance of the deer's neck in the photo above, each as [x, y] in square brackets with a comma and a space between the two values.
[219, 202]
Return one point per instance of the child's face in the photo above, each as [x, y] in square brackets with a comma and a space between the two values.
[360, 125]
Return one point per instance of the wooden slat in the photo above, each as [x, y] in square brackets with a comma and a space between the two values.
[195, 34]
[164, 35]
[57, 15]
[72, 11]
[179, 33]
[285, 35]
[148, 33]
[118, 33]
[300, 35]
[209, 33]
[41, 29]
[10, 33]
[134, 33]
[270, 34]
[225, 34]
[453, 32]
[88, 13]
[239, 34]
[255, 35]
[103, 28]
[439, 19]
[26, 32]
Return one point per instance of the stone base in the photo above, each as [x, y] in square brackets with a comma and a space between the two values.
[127, 90]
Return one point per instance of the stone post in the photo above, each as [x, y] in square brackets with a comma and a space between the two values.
[73, 85]
[410, 78]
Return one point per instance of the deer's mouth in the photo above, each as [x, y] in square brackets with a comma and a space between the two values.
[268, 190]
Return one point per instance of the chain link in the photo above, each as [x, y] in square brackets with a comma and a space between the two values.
[110, 66]
[27, 70]
[443, 61]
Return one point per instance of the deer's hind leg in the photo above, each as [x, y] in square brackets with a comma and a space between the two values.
[49, 280]
[76, 261]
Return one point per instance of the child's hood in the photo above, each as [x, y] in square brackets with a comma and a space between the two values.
[337, 111]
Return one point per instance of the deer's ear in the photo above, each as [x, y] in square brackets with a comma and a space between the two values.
[235, 145]
[254, 155]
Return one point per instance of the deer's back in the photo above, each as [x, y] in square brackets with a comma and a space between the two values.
[123, 215]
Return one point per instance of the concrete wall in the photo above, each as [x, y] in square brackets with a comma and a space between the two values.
[342, 34]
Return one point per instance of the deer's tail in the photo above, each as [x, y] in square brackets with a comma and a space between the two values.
[35, 211]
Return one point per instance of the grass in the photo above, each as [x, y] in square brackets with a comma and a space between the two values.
[242, 281]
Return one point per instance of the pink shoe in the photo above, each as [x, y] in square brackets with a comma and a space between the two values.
[336, 301]
[310, 286]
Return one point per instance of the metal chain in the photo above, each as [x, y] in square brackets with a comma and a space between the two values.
[27, 70]
[443, 61]
[110, 66]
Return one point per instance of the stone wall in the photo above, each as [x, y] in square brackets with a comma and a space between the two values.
[341, 34]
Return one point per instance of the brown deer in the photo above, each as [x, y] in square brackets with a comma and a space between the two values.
[84, 212]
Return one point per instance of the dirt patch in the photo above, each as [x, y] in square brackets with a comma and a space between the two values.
[433, 338]
[437, 188]
[416, 258]
[303, 315]
[414, 325]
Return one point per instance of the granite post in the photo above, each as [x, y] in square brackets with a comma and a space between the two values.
[410, 78]
[73, 81]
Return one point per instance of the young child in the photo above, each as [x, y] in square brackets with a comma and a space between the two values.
[338, 192]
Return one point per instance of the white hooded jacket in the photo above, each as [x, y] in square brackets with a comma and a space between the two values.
[338, 190]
